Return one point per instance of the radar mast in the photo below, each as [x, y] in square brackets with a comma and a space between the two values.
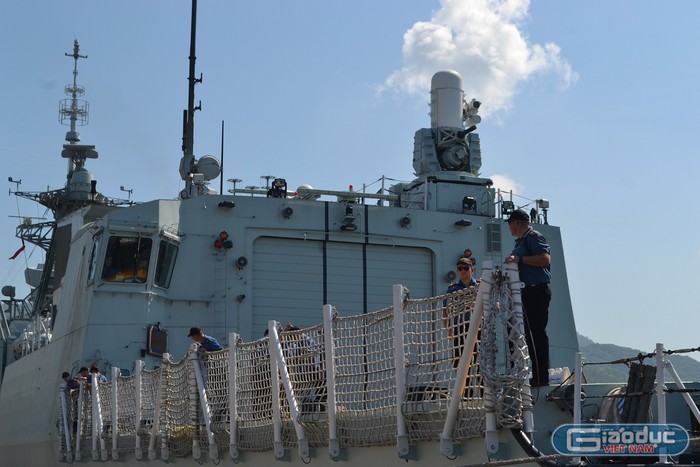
[195, 173]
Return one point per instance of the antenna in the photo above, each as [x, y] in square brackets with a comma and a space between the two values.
[221, 180]
[127, 190]
[267, 180]
[187, 162]
[74, 111]
[16, 182]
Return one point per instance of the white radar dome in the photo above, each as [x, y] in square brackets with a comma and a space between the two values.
[209, 166]
[446, 99]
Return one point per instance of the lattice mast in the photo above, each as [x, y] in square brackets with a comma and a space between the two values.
[74, 111]
[79, 189]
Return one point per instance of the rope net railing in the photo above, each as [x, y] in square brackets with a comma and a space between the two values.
[254, 397]
[504, 357]
[365, 381]
[434, 331]
[288, 393]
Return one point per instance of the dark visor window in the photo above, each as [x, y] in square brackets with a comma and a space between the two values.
[127, 259]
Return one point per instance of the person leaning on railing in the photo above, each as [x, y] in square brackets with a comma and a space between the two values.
[72, 385]
[204, 342]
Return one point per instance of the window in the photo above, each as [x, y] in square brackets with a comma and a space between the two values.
[127, 259]
[93, 258]
[167, 252]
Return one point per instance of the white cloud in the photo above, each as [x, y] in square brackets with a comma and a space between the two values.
[482, 40]
[505, 183]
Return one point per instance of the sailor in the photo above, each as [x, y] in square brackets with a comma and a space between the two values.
[532, 255]
[204, 342]
[459, 324]
[95, 375]
[84, 375]
[72, 385]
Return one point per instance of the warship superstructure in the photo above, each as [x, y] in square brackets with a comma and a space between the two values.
[361, 276]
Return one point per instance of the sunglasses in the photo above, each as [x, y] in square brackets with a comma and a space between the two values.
[464, 269]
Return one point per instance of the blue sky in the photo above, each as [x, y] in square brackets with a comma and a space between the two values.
[592, 105]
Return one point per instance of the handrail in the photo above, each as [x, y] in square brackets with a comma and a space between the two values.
[331, 403]
[138, 402]
[232, 396]
[81, 401]
[661, 401]
[399, 358]
[97, 423]
[64, 416]
[276, 350]
[115, 412]
[156, 416]
[204, 402]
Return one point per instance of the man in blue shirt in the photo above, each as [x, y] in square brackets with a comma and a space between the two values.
[95, 375]
[205, 342]
[532, 255]
[72, 385]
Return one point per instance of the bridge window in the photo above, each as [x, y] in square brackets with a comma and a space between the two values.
[93, 258]
[167, 252]
[127, 259]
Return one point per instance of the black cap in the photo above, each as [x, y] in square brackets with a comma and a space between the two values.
[518, 215]
[195, 331]
[83, 368]
[94, 369]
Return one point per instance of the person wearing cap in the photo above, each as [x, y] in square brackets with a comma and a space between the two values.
[532, 255]
[205, 343]
[457, 329]
[84, 374]
[95, 375]
[72, 385]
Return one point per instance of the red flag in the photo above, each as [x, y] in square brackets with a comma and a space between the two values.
[21, 249]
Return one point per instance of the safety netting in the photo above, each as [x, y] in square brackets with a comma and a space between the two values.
[355, 380]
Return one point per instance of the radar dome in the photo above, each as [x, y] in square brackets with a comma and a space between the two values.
[446, 99]
[209, 166]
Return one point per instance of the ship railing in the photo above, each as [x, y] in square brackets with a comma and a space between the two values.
[5, 323]
[347, 196]
[645, 382]
[35, 335]
[66, 416]
[413, 372]
[18, 311]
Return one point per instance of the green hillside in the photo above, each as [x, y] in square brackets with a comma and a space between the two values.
[687, 368]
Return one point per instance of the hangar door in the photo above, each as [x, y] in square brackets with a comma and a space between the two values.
[294, 278]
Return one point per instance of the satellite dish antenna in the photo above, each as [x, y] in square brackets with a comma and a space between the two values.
[209, 166]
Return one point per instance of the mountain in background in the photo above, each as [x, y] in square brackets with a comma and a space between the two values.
[687, 368]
